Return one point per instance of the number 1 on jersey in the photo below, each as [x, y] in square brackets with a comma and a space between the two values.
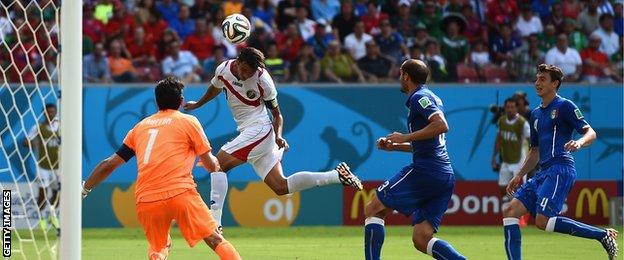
[150, 143]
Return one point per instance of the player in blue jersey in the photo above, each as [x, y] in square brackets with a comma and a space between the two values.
[552, 124]
[421, 190]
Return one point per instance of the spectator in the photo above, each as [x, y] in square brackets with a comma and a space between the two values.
[324, 10]
[360, 8]
[391, 43]
[576, 39]
[91, 27]
[571, 8]
[556, 18]
[403, 21]
[568, 59]
[474, 30]
[610, 41]
[321, 39]
[376, 67]
[526, 59]
[200, 43]
[276, 65]
[373, 18]
[230, 7]
[286, 13]
[168, 10]
[121, 68]
[266, 12]
[154, 27]
[543, 8]
[453, 6]
[259, 39]
[211, 63]
[454, 47]
[121, 24]
[305, 25]
[416, 53]
[500, 11]
[504, 45]
[103, 11]
[588, 19]
[339, 67]
[549, 38]
[162, 47]
[431, 19]
[181, 64]
[183, 24]
[289, 43]
[421, 38]
[528, 23]
[345, 21]
[596, 67]
[95, 66]
[618, 21]
[144, 10]
[308, 65]
[355, 42]
[604, 7]
[479, 55]
[257, 22]
[435, 61]
[203, 9]
[141, 51]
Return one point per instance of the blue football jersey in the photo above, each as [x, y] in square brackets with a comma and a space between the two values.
[551, 129]
[422, 105]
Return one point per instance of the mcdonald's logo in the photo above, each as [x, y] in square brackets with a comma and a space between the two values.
[365, 197]
[592, 198]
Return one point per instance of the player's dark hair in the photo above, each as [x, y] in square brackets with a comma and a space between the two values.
[510, 100]
[252, 57]
[169, 93]
[418, 72]
[49, 105]
[555, 73]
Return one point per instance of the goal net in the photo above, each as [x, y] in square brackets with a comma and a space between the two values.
[29, 125]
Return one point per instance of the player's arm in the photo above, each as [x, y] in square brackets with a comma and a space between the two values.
[210, 162]
[575, 119]
[589, 135]
[101, 172]
[437, 126]
[528, 165]
[106, 167]
[386, 145]
[211, 93]
[278, 123]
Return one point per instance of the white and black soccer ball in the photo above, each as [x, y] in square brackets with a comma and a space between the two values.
[236, 28]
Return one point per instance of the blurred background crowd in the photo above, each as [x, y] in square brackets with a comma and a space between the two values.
[336, 41]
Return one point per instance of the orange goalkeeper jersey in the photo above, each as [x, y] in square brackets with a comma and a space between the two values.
[166, 145]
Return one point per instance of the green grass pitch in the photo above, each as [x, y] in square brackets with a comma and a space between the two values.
[332, 243]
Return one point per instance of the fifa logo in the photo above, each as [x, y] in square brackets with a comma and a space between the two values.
[592, 198]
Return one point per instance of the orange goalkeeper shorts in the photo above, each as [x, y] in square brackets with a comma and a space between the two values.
[187, 209]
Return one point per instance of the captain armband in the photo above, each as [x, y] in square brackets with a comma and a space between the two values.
[271, 103]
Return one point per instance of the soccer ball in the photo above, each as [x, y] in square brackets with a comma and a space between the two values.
[236, 28]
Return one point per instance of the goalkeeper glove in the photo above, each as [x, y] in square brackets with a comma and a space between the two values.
[85, 192]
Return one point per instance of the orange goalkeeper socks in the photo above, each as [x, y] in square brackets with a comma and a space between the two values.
[226, 251]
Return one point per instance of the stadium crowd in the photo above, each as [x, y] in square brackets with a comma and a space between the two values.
[336, 41]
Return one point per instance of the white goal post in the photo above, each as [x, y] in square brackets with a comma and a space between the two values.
[71, 128]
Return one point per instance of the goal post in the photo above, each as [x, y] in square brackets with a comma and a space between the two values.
[71, 128]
